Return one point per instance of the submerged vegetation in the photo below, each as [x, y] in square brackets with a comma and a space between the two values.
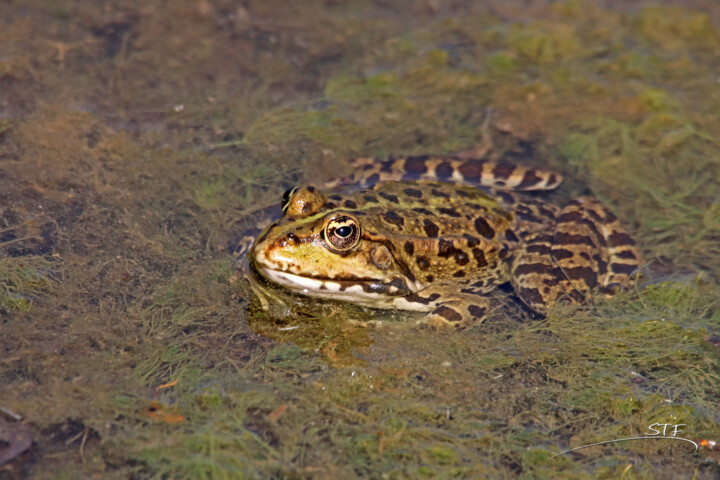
[151, 148]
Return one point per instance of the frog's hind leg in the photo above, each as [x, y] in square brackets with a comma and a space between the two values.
[592, 248]
[587, 251]
[535, 277]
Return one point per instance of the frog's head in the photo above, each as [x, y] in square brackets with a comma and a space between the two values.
[321, 250]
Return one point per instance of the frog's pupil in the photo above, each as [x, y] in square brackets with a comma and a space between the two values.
[344, 231]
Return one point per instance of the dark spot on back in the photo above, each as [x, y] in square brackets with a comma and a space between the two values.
[450, 212]
[394, 218]
[413, 192]
[431, 230]
[471, 241]
[446, 248]
[484, 228]
[389, 197]
[350, 204]
[424, 211]
[439, 193]
[479, 257]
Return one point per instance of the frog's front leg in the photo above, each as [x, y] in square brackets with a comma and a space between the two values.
[447, 306]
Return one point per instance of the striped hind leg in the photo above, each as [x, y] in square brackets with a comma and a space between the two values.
[537, 280]
[588, 251]
[593, 249]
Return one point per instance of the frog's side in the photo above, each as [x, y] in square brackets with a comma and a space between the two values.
[439, 247]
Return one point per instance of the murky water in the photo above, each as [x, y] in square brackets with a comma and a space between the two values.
[139, 139]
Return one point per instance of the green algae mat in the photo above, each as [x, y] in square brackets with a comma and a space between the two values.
[139, 139]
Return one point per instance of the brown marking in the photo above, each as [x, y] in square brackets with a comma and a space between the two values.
[424, 211]
[560, 253]
[439, 193]
[389, 197]
[413, 192]
[586, 274]
[431, 230]
[414, 167]
[619, 239]
[479, 257]
[484, 228]
[450, 212]
[538, 248]
[529, 179]
[476, 311]
[623, 268]
[503, 170]
[422, 262]
[562, 238]
[372, 179]
[381, 257]
[409, 247]
[448, 314]
[443, 171]
[393, 218]
[446, 248]
[534, 268]
[531, 296]
[471, 171]
[471, 241]
[625, 254]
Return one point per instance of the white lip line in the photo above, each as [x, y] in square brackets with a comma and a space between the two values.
[300, 280]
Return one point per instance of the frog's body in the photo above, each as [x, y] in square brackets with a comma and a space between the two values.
[411, 243]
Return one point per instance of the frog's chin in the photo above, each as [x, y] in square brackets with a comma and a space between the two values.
[365, 292]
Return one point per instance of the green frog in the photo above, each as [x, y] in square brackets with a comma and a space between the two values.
[436, 234]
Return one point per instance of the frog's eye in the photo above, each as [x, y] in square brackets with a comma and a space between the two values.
[286, 197]
[341, 233]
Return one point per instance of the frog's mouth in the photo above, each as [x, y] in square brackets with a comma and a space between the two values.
[364, 291]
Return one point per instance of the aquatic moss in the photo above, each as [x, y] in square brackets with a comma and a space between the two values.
[22, 279]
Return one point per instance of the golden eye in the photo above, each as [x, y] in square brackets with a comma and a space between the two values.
[286, 197]
[341, 233]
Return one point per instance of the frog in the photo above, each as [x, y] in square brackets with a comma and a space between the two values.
[439, 234]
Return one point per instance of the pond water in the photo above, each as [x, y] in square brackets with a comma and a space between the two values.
[138, 140]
